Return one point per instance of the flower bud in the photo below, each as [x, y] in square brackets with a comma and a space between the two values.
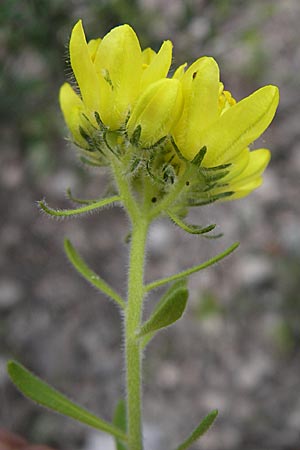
[157, 111]
[118, 63]
[72, 108]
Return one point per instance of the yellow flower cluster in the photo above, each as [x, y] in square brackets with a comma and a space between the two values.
[130, 92]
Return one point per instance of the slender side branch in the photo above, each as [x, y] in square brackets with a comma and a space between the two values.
[89, 275]
[187, 272]
[72, 212]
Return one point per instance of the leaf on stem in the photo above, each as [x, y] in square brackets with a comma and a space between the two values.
[192, 229]
[80, 201]
[73, 212]
[87, 273]
[199, 431]
[120, 421]
[187, 272]
[168, 310]
[43, 394]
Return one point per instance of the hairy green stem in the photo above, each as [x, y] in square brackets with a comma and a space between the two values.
[133, 317]
[133, 311]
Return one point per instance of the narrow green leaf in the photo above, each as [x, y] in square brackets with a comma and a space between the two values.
[199, 431]
[169, 292]
[192, 229]
[43, 394]
[169, 309]
[187, 272]
[89, 275]
[80, 201]
[120, 421]
[73, 212]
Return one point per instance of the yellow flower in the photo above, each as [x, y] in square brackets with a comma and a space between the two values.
[111, 73]
[156, 111]
[212, 119]
[125, 102]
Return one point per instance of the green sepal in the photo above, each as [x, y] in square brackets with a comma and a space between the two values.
[197, 160]
[106, 138]
[43, 394]
[157, 144]
[134, 164]
[120, 421]
[91, 148]
[99, 121]
[210, 199]
[87, 273]
[199, 431]
[189, 228]
[88, 162]
[135, 138]
[168, 310]
[211, 176]
[217, 168]
[178, 153]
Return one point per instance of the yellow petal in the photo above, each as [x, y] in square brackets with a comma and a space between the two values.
[93, 45]
[201, 95]
[159, 65]
[147, 56]
[245, 190]
[72, 108]
[239, 126]
[238, 165]
[258, 161]
[249, 178]
[83, 68]
[157, 110]
[179, 72]
[118, 63]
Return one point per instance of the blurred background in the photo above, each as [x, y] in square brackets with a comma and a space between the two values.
[238, 346]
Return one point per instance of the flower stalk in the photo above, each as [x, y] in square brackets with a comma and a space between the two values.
[133, 316]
